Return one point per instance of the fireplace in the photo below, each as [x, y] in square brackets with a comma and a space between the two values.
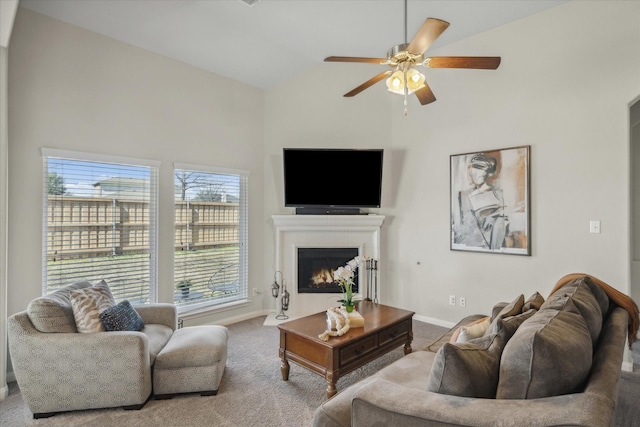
[293, 232]
[316, 267]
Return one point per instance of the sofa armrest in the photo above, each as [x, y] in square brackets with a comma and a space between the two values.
[69, 371]
[159, 313]
[382, 402]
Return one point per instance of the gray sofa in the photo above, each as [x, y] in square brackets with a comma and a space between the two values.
[561, 332]
[59, 369]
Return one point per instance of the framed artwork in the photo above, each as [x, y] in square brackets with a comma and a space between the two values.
[490, 201]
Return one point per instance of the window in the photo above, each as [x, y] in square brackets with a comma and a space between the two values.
[210, 263]
[99, 223]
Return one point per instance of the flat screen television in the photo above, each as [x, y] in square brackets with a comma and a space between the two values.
[332, 181]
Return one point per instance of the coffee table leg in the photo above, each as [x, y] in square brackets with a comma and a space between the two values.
[284, 368]
[331, 385]
[407, 345]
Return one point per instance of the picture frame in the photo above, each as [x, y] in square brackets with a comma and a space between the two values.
[491, 201]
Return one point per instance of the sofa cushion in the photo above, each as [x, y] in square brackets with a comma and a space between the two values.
[468, 369]
[511, 323]
[503, 310]
[549, 354]
[535, 301]
[121, 317]
[586, 299]
[53, 312]
[88, 303]
[158, 336]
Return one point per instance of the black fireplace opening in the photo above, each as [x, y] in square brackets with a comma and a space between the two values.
[316, 267]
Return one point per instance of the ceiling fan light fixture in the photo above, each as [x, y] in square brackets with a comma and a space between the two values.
[415, 80]
[411, 79]
[395, 82]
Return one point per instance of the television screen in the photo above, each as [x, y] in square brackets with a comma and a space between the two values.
[332, 178]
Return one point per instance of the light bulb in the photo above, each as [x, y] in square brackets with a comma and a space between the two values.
[395, 83]
[415, 80]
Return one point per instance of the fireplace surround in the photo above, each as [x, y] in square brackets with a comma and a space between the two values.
[294, 232]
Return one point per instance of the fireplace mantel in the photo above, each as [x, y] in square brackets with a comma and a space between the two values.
[299, 231]
[327, 222]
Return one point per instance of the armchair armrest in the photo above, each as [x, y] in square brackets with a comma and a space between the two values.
[159, 313]
[382, 402]
[69, 371]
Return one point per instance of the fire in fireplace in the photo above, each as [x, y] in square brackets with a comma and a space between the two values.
[316, 267]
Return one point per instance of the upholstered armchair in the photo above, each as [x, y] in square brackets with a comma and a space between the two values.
[60, 369]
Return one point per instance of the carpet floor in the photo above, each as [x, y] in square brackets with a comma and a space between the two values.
[252, 392]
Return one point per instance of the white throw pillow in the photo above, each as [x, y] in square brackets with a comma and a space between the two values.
[472, 331]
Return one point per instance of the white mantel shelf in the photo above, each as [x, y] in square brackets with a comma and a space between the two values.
[328, 231]
[307, 222]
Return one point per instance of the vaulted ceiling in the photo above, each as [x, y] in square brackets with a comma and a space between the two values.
[268, 43]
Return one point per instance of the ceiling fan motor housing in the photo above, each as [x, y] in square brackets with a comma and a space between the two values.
[399, 54]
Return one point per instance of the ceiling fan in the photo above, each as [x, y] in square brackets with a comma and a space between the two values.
[404, 78]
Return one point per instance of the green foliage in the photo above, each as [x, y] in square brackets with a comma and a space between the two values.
[184, 284]
[56, 185]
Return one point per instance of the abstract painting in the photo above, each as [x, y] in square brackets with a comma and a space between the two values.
[490, 201]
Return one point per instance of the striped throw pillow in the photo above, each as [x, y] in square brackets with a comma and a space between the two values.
[88, 303]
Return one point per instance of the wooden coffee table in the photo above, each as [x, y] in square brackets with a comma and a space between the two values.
[385, 328]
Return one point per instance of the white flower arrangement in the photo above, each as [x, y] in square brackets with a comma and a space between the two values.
[344, 276]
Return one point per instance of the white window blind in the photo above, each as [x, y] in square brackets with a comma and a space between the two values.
[100, 223]
[210, 264]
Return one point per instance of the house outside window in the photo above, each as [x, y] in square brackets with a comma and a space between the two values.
[211, 239]
[100, 223]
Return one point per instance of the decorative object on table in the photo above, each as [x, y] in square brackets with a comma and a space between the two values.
[340, 317]
[355, 321]
[183, 286]
[344, 276]
[371, 266]
[490, 201]
[284, 302]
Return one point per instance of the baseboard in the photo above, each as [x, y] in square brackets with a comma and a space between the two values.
[434, 321]
[242, 317]
[4, 392]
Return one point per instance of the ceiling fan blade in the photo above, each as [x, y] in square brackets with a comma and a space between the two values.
[477, 62]
[427, 34]
[368, 83]
[355, 59]
[424, 95]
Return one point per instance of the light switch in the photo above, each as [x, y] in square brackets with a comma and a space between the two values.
[594, 226]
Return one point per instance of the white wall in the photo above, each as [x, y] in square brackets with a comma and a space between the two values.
[77, 90]
[564, 87]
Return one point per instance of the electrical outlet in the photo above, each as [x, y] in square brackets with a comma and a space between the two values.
[462, 301]
[452, 300]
